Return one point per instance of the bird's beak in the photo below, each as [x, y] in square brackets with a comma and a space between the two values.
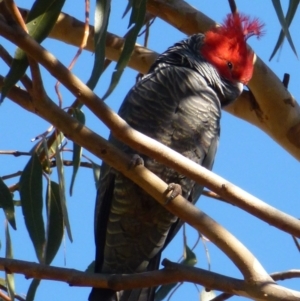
[240, 86]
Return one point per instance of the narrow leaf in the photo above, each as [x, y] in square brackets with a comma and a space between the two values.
[47, 149]
[10, 280]
[61, 181]
[163, 291]
[77, 149]
[190, 260]
[31, 189]
[55, 229]
[2, 282]
[40, 21]
[16, 71]
[102, 12]
[96, 173]
[32, 289]
[91, 268]
[190, 257]
[293, 5]
[284, 25]
[128, 7]
[7, 203]
[137, 18]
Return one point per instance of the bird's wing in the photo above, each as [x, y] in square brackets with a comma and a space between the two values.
[178, 108]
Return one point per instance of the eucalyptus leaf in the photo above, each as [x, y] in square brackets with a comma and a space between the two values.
[40, 20]
[32, 289]
[102, 12]
[31, 189]
[284, 24]
[163, 291]
[137, 18]
[293, 6]
[55, 229]
[61, 183]
[96, 173]
[77, 149]
[7, 204]
[10, 279]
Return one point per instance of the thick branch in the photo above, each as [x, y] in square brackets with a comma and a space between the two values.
[73, 130]
[174, 273]
[70, 30]
[146, 145]
[248, 265]
[273, 101]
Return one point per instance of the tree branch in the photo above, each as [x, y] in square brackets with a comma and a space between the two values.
[272, 101]
[275, 276]
[172, 274]
[80, 134]
[144, 144]
[245, 261]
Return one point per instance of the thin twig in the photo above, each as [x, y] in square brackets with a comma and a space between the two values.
[70, 163]
[81, 47]
[291, 274]
[4, 297]
[14, 187]
[15, 153]
[16, 296]
[13, 175]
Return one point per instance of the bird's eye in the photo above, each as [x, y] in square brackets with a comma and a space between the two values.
[230, 66]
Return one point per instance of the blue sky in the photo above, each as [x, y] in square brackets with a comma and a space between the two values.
[247, 157]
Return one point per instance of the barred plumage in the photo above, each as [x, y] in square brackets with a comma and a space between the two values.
[179, 104]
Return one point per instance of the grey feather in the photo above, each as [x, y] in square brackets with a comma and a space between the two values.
[179, 104]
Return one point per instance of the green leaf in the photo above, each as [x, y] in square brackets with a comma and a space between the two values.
[32, 289]
[2, 282]
[16, 71]
[40, 21]
[163, 291]
[293, 5]
[61, 184]
[55, 229]
[190, 257]
[284, 25]
[91, 268]
[31, 189]
[96, 173]
[77, 149]
[102, 13]
[190, 260]
[10, 280]
[128, 7]
[6, 202]
[137, 18]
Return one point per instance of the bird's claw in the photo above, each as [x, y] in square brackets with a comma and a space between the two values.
[175, 190]
[135, 161]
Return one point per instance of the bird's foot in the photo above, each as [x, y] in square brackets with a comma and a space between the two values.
[175, 190]
[135, 161]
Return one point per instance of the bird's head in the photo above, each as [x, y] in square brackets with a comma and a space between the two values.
[225, 47]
